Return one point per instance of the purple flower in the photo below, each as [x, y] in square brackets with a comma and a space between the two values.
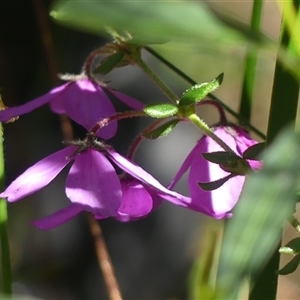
[217, 203]
[84, 101]
[93, 185]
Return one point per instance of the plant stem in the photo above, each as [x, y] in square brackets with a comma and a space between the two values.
[156, 79]
[207, 131]
[104, 260]
[5, 254]
[282, 112]
[193, 82]
[250, 68]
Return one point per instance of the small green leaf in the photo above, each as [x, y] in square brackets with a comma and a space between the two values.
[213, 185]
[294, 244]
[221, 157]
[254, 151]
[197, 92]
[161, 110]
[109, 63]
[290, 267]
[162, 130]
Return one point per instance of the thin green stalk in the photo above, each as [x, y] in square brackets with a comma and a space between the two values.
[250, 67]
[207, 131]
[156, 79]
[282, 112]
[6, 287]
[193, 82]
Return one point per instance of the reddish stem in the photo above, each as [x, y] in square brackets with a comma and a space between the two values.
[118, 116]
[139, 138]
[223, 119]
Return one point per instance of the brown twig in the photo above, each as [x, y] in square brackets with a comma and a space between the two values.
[104, 260]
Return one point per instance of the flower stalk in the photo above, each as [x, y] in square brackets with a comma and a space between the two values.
[5, 253]
[207, 131]
[156, 79]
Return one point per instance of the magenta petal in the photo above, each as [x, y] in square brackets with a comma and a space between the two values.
[147, 179]
[15, 111]
[86, 103]
[136, 201]
[129, 101]
[60, 217]
[94, 184]
[184, 167]
[38, 176]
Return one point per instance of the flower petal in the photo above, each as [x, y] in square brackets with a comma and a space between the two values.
[58, 218]
[15, 111]
[136, 201]
[219, 202]
[86, 103]
[184, 167]
[147, 179]
[38, 176]
[94, 184]
[129, 101]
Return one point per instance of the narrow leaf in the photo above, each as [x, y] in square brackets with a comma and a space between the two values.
[254, 151]
[290, 267]
[221, 157]
[109, 63]
[162, 130]
[161, 110]
[197, 92]
[213, 185]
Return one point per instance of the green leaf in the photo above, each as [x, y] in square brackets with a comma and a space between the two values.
[254, 151]
[290, 267]
[213, 185]
[197, 92]
[162, 130]
[267, 200]
[183, 21]
[161, 110]
[109, 63]
[221, 157]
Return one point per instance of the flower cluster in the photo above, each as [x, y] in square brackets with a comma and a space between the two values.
[93, 184]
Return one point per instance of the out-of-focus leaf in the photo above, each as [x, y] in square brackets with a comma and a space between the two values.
[204, 270]
[148, 21]
[290, 267]
[162, 130]
[267, 200]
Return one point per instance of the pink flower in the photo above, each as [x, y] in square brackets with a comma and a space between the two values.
[217, 203]
[84, 101]
[93, 185]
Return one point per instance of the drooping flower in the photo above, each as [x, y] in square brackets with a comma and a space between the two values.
[93, 185]
[219, 202]
[84, 101]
